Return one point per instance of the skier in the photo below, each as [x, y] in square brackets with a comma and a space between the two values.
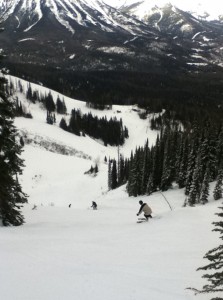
[94, 205]
[146, 209]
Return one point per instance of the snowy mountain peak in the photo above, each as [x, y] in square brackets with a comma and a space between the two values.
[69, 13]
[141, 8]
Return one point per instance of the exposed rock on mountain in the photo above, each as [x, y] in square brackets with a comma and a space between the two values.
[65, 37]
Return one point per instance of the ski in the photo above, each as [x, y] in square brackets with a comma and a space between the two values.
[141, 220]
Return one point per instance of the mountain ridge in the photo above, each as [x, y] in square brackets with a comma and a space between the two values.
[141, 8]
[74, 38]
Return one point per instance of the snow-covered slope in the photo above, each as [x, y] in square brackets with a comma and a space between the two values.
[142, 8]
[139, 129]
[68, 13]
[42, 138]
[76, 253]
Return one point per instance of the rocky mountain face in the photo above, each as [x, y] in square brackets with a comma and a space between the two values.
[42, 37]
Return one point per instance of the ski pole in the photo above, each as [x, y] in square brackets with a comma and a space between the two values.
[166, 200]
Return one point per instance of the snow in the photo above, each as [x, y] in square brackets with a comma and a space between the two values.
[28, 39]
[28, 5]
[206, 39]
[117, 50]
[131, 40]
[197, 64]
[187, 28]
[197, 50]
[72, 56]
[209, 10]
[160, 19]
[53, 6]
[77, 253]
[196, 34]
[18, 22]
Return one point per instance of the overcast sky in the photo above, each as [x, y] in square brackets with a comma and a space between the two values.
[214, 7]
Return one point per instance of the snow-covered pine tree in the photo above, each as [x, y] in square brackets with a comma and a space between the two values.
[194, 193]
[135, 183]
[218, 187]
[204, 155]
[190, 170]
[167, 174]
[215, 267]
[192, 156]
[205, 187]
[146, 167]
[11, 194]
[219, 149]
[213, 167]
[183, 160]
[150, 185]
[122, 175]
[157, 161]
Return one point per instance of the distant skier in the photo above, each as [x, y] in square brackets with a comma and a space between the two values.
[69, 205]
[94, 205]
[146, 209]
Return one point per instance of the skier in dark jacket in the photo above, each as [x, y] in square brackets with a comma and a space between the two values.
[146, 209]
[94, 205]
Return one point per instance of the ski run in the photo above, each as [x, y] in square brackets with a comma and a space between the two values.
[67, 253]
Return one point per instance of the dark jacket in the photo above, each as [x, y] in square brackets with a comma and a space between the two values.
[94, 205]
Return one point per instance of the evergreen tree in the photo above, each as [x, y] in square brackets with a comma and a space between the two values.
[157, 161]
[194, 193]
[215, 267]
[29, 93]
[166, 174]
[212, 159]
[150, 185]
[192, 157]
[205, 188]
[59, 106]
[182, 164]
[49, 117]
[122, 178]
[11, 194]
[50, 105]
[74, 122]
[219, 149]
[190, 169]
[35, 96]
[135, 181]
[146, 167]
[109, 174]
[20, 86]
[63, 124]
[114, 182]
[96, 168]
[218, 187]
[64, 107]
